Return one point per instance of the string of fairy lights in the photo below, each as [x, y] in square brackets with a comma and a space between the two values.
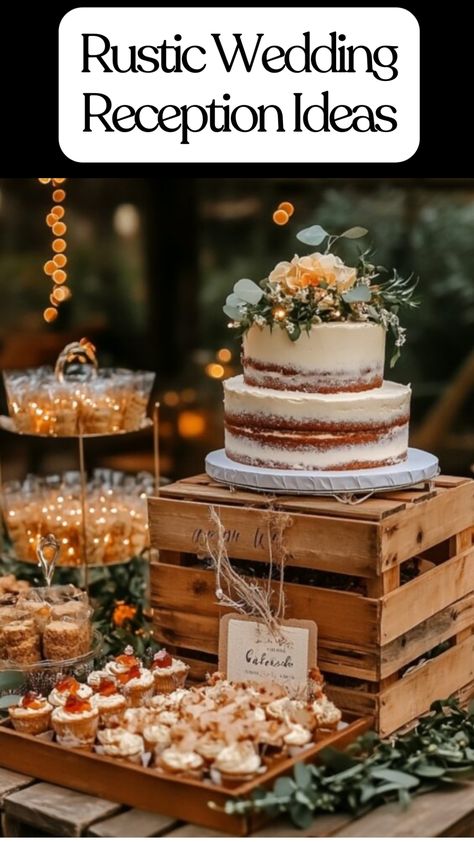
[55, 267]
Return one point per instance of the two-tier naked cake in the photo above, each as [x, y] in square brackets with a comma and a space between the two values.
[312, 394]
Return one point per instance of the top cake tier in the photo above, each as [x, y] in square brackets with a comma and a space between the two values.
[332, 357]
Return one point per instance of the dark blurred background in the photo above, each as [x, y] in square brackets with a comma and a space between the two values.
[150, 262]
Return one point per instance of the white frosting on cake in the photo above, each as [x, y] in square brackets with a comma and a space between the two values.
[318, 403]
[331, 357]
[306, 410]
[387, 449]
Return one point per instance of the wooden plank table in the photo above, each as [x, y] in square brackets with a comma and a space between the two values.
[29, 807]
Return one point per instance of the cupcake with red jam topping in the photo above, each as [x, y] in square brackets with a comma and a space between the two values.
[75, 723]
[135, 681]
[66, 685]
[32, 714]
[168, 673]
[110, 703]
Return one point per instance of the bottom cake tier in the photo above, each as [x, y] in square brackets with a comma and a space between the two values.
[306, 431]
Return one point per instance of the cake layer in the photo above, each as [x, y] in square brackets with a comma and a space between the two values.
[333, 357]
[340, 431]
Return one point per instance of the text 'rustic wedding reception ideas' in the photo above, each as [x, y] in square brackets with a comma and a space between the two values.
[239, 85]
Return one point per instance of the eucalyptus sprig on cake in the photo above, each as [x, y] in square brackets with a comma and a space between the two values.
[320, 287]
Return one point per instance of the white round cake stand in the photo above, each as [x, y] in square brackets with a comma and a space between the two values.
[346, 486]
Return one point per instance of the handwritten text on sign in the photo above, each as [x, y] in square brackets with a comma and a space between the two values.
[249, 652]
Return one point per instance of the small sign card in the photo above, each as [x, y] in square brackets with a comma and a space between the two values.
[249, 652]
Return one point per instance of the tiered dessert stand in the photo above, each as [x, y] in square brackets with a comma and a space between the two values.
[77, 363]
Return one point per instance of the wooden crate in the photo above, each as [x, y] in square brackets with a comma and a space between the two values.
[375, 618]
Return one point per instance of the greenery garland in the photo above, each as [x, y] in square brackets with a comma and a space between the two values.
[438, 751]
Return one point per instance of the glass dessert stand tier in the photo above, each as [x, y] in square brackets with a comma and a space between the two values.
[8, 424]
[346, 486]
[16, 679]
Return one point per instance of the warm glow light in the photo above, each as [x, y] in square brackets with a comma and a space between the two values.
[224, 355]
[215, 371]
[280, 217]
[59, 228]
[60, 260]
[287, 207]
[171, 398]
[50, 314]
[59, 245]
[59, 195]
[126, 220]
[49, 267]
[59, 276]
[191, 424]
[279, 313]
[60, 294]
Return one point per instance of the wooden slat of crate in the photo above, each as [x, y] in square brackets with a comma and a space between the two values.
[349, 645]
[326, 543]
[413, 602]
[193, 590]
[203, 489]
[426, 524]
[410, 696]
[455, 618]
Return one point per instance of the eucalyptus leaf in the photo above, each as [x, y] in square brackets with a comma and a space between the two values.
[426, 770]
[233, 313]
[302, 775]
[284, 787]
[234, 300]
[248, 290]
[312, 236]
[354, 233]
[361, 292]
[295, 333]
[301, 815]
[395, 776]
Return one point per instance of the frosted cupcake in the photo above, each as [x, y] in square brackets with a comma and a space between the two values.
[32, 714]
[177, 761]
[66, 685]
[108, 736]
[135, 681]
[168, 673]
[129, 747]
[109, 702]
[328, 716]
[210, 746]
[237, 763]
[298, 736]
[75, 723]
[157, 737]
[95, 677]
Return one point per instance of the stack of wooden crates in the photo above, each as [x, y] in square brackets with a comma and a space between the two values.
[391, 586]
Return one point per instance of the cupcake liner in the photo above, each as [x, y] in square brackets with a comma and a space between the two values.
[76, 732]
[171, 682]
[33, 724]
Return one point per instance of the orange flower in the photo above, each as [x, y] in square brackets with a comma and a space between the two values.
[310, 270]
[122, 613]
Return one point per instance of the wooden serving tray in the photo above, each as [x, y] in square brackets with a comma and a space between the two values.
[147, 789]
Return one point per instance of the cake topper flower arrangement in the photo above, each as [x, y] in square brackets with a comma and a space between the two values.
[320, 287]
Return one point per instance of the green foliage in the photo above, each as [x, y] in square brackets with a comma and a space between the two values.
[295, 305]
[439, 750]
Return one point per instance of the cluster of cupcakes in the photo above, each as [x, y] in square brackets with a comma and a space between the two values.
[224, 732]
[51, 624]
